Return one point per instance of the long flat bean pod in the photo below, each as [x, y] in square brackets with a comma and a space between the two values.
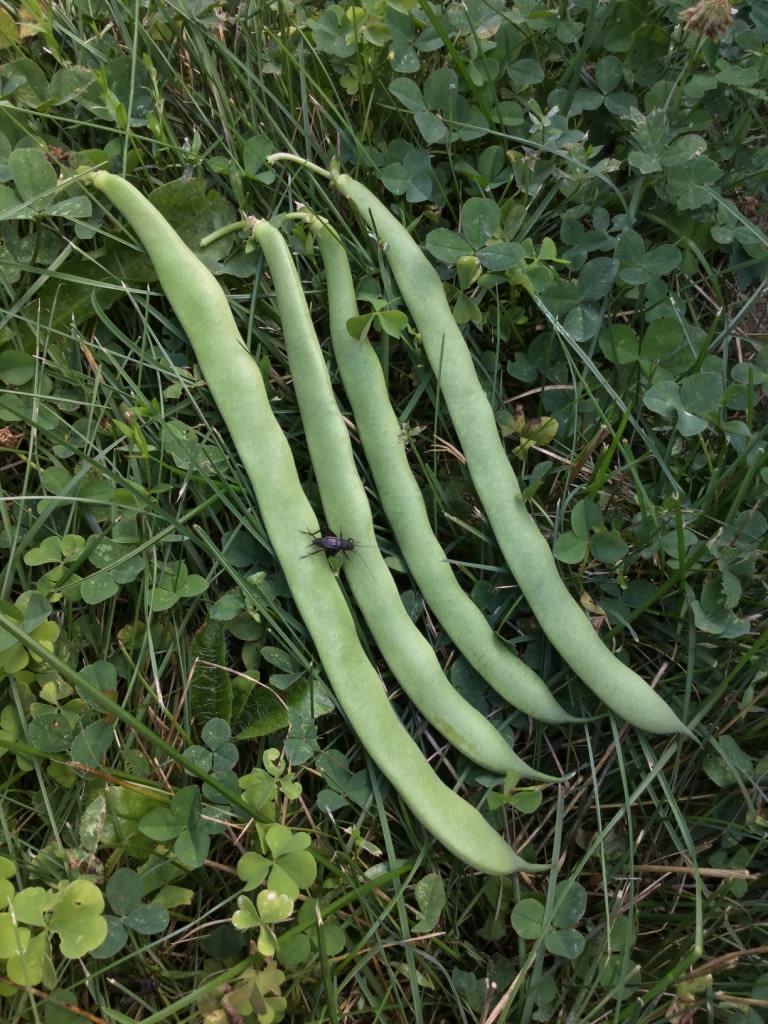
[237, 386]
[406, 651]
[523, 546]
[401, 499]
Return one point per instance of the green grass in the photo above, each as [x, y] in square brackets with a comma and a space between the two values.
[616, 294]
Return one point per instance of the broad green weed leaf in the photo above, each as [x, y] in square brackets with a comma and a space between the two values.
[101, 586]
[52, 731]
[90, 746]
[609, 72]
[525, 72]
[596, 278]
[718, 621]
[327, 34]
[102, 675]
[566, 943]
[662, 259]
[528, 919]
[148, 919]
[123, 890]
[447, 247]
[409, 94]
[526, 801]
[683, 151]
[12, 937]
[586, 516]
[430, 897]
[33, 176]
[465, 311]
[31, 904]
[192, 845]
[26, 964]
[116, 937]
[396, 178]
[392, 322]
[583, 323]
[252, 869]
[702, 393]
[480, 220]
[441, 88]
[281, 841]
[432, 128]
[293, 872]
[500, 256]
[662, 339]
[77, 918]
[690, 187]
[69, 83]
[728, 764]
[36, 609]
[608, 546]
[17, 369]
[630, 247]
[246, 915]
[620, 344]
[569, 904]
[569, 548]
[273, 906]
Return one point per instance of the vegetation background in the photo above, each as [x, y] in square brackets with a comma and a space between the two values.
[188, 830]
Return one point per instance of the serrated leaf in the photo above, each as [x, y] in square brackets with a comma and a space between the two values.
[683, 152]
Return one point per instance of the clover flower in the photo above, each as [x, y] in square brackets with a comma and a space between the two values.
[710, 18]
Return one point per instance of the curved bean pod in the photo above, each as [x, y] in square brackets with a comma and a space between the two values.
[237, 387]
[403, 505]
[406, 651]
[523, 546]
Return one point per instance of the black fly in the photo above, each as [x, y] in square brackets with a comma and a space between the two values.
[135, 989]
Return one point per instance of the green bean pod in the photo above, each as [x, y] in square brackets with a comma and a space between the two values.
[401, 499]
[237, 386]
[524, 548]
[406, 651]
